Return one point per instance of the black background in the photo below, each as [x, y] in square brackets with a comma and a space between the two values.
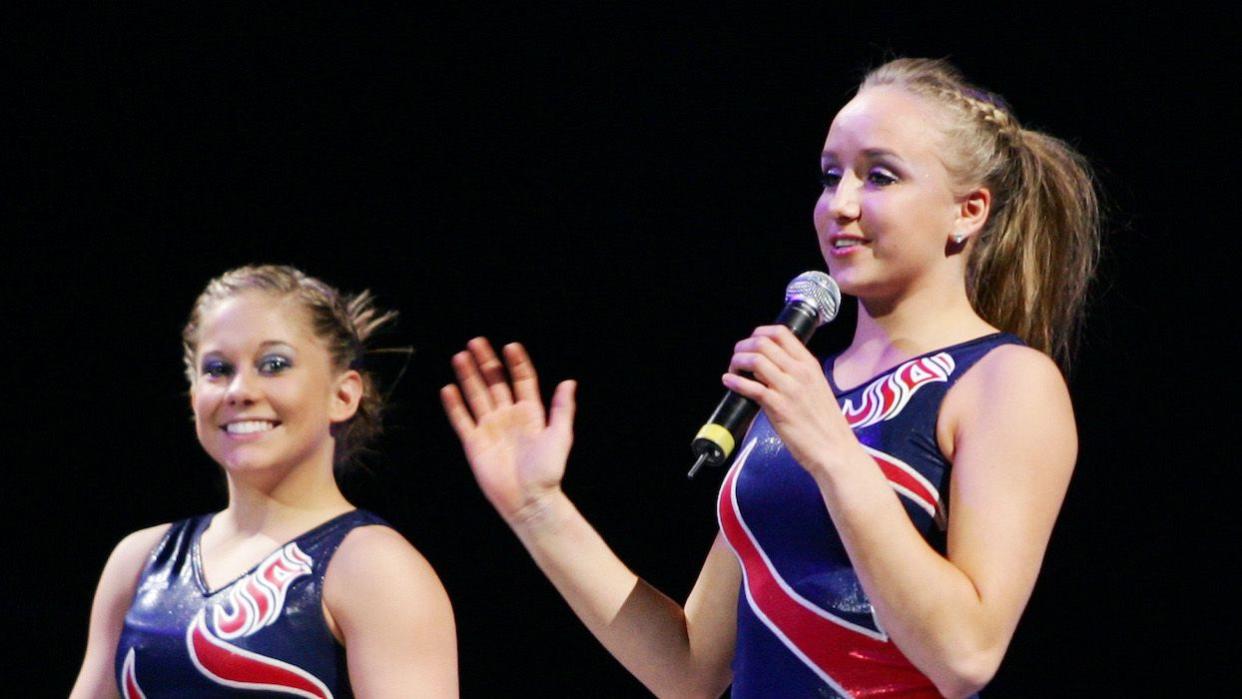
[627, 191]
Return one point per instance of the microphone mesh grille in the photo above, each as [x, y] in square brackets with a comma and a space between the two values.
[818, 290]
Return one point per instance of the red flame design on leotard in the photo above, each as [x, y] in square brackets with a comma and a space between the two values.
[909, 482]
[129, 678]
[253, 603]
[886, 396]
[257, 599]
[231, 666]
[827, 644]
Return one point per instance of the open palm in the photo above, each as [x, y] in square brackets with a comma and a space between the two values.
[516, 450]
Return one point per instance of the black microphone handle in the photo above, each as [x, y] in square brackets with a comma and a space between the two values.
[801, 318]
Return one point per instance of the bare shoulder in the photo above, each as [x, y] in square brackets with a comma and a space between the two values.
[1013, 388]
[378, 551]
[375, 567]
[120, 573]
[1011, 376]
[144, 539]
[1010, 363]
[131, 553]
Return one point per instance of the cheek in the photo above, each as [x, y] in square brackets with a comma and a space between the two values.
[820, 214]
[198, 408]
[900, 217]
[204, 403]
[300, 405]
[201, 420]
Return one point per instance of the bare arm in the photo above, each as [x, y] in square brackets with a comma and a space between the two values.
[518, 457]
[1013, 443]
[672, 651]
[394, 615]
[112, 600]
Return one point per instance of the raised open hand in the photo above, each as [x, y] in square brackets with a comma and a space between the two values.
[517, 452]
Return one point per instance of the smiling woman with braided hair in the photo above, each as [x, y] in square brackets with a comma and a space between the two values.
[289, 589]
[883, 524]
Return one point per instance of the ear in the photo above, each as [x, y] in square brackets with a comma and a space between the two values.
[346, 396]
[972, 213]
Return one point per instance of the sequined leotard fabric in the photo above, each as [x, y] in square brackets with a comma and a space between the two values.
[263, 634]
[805, 626]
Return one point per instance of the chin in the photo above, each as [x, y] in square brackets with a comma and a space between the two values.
[848, 280]
[243, 465]
[241, 460]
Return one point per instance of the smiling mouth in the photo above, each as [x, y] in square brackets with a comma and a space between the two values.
[843, 243]
[250, 426]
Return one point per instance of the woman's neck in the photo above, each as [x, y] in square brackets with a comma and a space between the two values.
[260, 502]
[890, 331]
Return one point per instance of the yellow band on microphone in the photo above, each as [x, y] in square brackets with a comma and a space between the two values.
[717, 435]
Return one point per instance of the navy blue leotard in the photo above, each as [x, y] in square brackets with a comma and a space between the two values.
[264, 634]
[805, 628]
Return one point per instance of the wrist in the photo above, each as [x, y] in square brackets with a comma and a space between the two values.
[830, 450]
[823, 468]
[830, 467]
[539, 514]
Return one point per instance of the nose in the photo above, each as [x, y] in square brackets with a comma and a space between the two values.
[242, 389]
[843, 204]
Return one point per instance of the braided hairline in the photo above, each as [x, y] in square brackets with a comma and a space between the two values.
[941, 80]
[988, 108]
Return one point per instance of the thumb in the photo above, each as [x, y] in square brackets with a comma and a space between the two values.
[563, 407]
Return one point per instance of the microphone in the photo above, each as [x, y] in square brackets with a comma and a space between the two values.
[811, 300]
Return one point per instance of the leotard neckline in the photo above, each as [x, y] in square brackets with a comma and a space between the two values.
[831, 361]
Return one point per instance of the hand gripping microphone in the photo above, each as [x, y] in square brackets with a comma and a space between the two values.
[811, 300]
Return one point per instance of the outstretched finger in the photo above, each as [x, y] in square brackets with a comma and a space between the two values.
[458, 415]
[563, 407]
[493, 371]
[471, 383]
[522, 371]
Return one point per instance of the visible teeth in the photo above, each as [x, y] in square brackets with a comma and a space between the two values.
[845, 242]
[249, 426]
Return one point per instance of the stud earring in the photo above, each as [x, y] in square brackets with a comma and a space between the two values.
[959, 237]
